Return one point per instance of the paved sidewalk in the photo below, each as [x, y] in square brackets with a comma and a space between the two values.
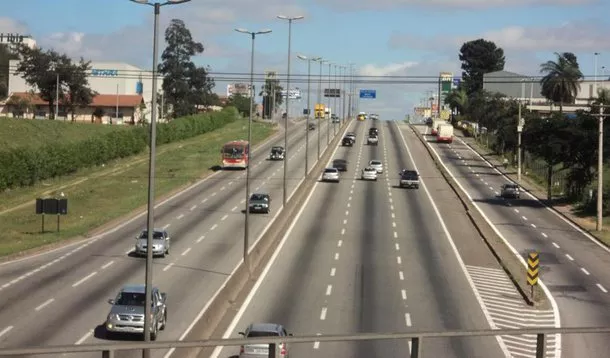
[565, 209]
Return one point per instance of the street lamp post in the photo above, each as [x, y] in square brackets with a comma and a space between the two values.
[520, 123]
[321, 61]
[290, 20]
[595, 55]
[329, 109]
[247, 216]
[146, 353]
[335, 101]
[308, 59]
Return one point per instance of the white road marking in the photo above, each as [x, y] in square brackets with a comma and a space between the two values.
[484, 182]
[602, 288]
[395, 235]
[329, 290]
[543, 234]
[180, 216]
[393, 216]
[350, 198]
[166, 226]
[201, 238]
[349, 205]
[234, 208]
[339, 243]
[397, 246]
[557, 246]
[333, 271]
[584, 270]
[390, 199]
[323, 314]
[346, 212]
[230, 183]
[534, 226]
[186, 251]
[401, 275]
[393, 224]
[5, 331]
[408, 320]
[342, 231]
[398, 260]
[77, 283]
[193, 207]
[84, 338]
[351, 192]
[389, 193]
[336, 256]
[403, 293]
[213, 194]
[316, 344]
[107, 265]
[213, 227]
[44, 304]
[569, 257]
[344, 221]
[223, 188]
[204, 200]
[523, 217]
[168, 266]
[224, 217]
[242, 201]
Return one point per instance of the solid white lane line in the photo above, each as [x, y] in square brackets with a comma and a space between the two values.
[5, 331]
[403, 293]
[323, 314]
[397, 246]
[557, 246]
[398, 260]
[193, 207]
[333, 271]
[213, 227]
[342, 231]
[107, 265]
[329, 290]
[168, 266]
[224, 217]
[84, 338]
[204, 200]
[534, 226]
[201, 238]
[186, 251]
[84, 279]
[395, 235]
[44, 304]
[180, 216]
[339, 243]
[523, 217]
[234, 208]
[336, 256]
[569, 257]
[543, 234]
[602, 288]
[408, 320]
[401, 275]
[584, 270]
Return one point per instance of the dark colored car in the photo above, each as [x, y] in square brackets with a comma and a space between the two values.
[259, 203]
[347, 142]
[373, 131]
[409, 179]
[312, 126]
[340, 165]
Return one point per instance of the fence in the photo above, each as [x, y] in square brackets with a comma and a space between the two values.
[416, 338]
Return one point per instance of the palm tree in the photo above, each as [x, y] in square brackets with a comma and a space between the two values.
[457, 100]
[561, 81]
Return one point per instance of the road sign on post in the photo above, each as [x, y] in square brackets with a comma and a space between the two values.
[533, 266]
[367, 93]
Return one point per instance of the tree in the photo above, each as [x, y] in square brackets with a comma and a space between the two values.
[479, 57]
[6, 55]
[184, 84]
[271, 87]
[561, 81]
[242, 103]
[457, 100]
[79, 93]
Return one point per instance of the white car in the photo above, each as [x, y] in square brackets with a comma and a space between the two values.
[331, 174]
[369, 173]
[377, 165]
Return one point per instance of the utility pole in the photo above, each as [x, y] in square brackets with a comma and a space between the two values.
[600, 166]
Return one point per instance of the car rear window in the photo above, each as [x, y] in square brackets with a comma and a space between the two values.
[375, 162]
[255, 334]
[330, 170]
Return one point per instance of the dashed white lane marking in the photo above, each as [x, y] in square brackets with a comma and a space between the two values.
[398, 260]
[584, 270]
[107, 265]
[349, 199]
[339, 243]
[201, 238]
[180, 216]
[323, 314]
[213, 227]
[230, 183]
[390, 200]
[213, 194]
[569, 257]
[193, 207]
[484, 182]
[224, 217]
[393, 224]
[403, 293]
[336, 256]
[166, 226]
[333, 271]
[349, 205]
[82, 280]
[234, 208]
[129, 250]
[168, 266]
[517, 211]
[329, 290]
[84, 338]
[242, 201]
[316, 344]
[5, 331]
[497, 193]
[223, 188]
[543, 234]
[343, 231]
[401, 275]
[557, 246]
[346, 212]
[523, 217]
[602, 288]
[344, 221]
[397, 246]
[204, 200]
[395, 235]
[186, 251]
[534, 226]
[393, 216]
[44, 304]
[408, 319]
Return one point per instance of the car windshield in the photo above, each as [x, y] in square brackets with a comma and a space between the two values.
[233, 152]
[375, 162]
[255, 334]
[512, 186]
[258, 197]
[157, 235]
[369, 170]
[339, 161]
[130, 299]
[330, 170]
[409, 175]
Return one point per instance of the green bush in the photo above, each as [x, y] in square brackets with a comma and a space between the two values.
[26, 166]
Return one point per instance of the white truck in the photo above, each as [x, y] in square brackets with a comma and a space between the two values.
[444, 133]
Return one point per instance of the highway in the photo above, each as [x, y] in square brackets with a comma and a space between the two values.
[371, 257]
[61, 297]
[573, 266]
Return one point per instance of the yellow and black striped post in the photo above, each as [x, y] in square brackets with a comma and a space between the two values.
[533, 266]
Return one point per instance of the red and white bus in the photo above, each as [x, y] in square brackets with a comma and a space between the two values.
[235, 154]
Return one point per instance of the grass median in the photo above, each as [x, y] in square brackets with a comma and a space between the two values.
[97, 196]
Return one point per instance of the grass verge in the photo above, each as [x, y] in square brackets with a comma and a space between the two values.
[99, 195]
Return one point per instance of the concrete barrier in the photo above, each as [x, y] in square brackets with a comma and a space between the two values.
[505, 257]
[218, 314]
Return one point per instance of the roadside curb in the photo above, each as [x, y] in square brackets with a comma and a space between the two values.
[531, 192]
[505, 257]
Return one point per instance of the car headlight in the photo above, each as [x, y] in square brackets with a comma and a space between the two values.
[112, 317]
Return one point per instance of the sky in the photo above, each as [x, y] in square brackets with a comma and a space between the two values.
[389, 39]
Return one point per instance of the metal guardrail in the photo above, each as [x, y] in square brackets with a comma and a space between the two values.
[108, 350]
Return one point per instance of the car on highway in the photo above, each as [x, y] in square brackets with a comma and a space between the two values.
[351, 135]
[369, 173]
[510, 191]
[277, 153]
[374, 131]
[161, 243]
[340, 165]
[377, 164]
[336, 120]
[372, 139]
[408, 179]
[331, 174]
[311, 126]
[127, 313]
[347, 141]
[261, 350]
[259, 203]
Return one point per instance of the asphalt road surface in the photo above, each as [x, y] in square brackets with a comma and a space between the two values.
[371, 257]
[61, 297]
[574, 267]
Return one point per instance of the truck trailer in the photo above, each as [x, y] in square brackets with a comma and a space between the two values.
[444, 133]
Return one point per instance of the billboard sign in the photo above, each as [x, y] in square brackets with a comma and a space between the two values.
[293, 94]
[446, 82]
[332, 92]
[270, 75]
[238, 88]
[367, 93]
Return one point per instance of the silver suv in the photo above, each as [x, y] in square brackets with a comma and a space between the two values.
[127, 313]
[161, 243]
[260, 350]
[510, 191]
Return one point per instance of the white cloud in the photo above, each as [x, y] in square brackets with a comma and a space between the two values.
[8, 25]
[444, 5]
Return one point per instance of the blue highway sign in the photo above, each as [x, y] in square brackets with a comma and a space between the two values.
[367, 93]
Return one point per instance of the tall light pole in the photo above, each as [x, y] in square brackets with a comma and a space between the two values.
[351, 91]
[519, 130]
[335, 101]
[56, 96]
[308, 59]
[595, 55]
[329, 109]
[321, 61]
[247, 216]
[290, 20]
